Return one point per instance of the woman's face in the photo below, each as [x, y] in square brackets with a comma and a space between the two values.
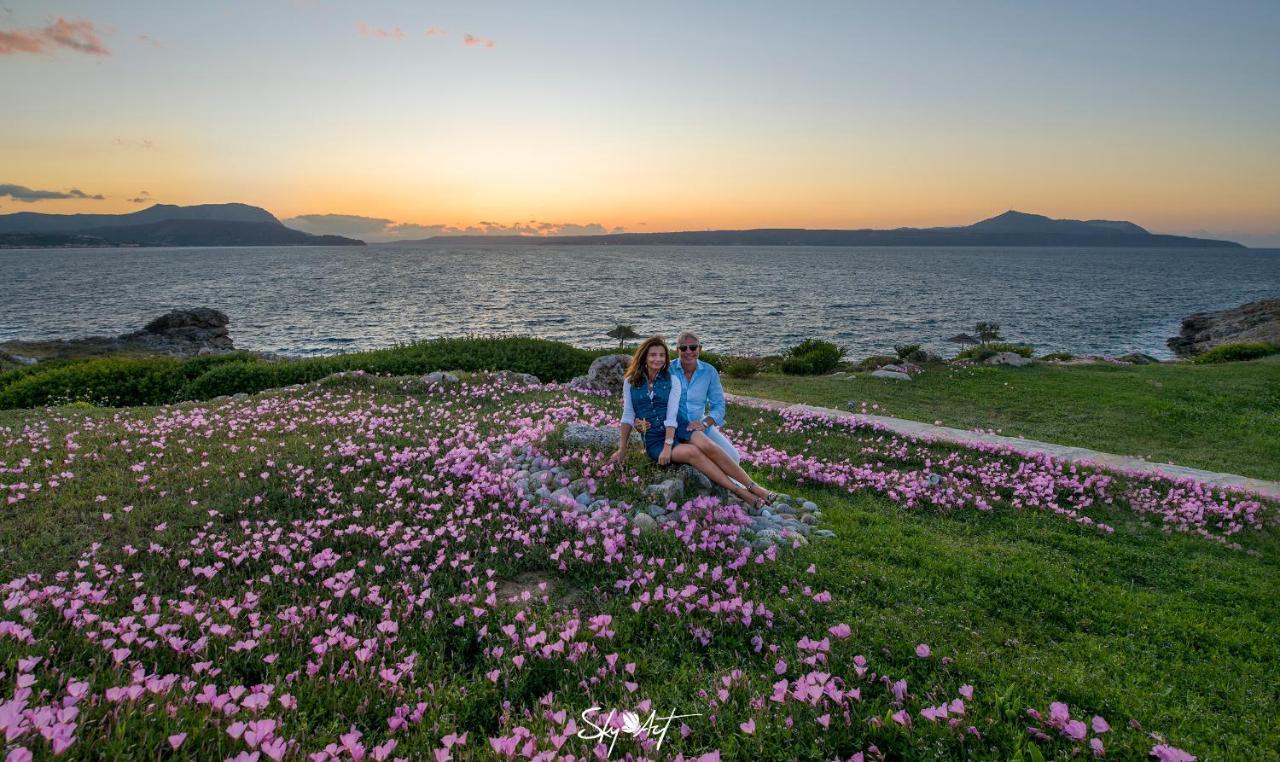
[656, 358]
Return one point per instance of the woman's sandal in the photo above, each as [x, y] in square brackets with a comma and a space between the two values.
[769, 498]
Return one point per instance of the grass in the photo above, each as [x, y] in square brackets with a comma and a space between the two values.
[1171, 630]
[1218, 417]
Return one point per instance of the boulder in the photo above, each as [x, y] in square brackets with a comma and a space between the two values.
[604, 375]
[580, 435]
[893, 374]
[1138, 358]
[200, 327]
[1008, 358]
[509, 378]
[179, 333]
[440, 377]
[1255, 321]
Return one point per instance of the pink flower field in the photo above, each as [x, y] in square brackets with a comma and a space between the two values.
[358, 569]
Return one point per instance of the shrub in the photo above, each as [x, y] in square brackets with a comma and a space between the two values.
[905, 351]
[798, 366]
[811, 357]
[741, 369]
[984, 351]
[874, 362]
[1245, 350]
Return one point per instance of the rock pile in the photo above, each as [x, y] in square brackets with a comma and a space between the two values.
[179, 333]
[787, 521]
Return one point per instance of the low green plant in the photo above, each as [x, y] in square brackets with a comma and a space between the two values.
[811, 357]
[905, 351]
[982, 352]
[1244, 350]
[741, 369]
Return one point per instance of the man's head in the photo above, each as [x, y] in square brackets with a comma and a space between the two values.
[688, 346]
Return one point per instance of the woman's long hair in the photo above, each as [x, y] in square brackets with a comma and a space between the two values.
[635, 369]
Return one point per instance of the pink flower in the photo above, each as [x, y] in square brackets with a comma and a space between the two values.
[840, 631]
[1095, 745]
[748, 727]
[923, 651]
[1100, 725]
[1167, 753]
[176, 740]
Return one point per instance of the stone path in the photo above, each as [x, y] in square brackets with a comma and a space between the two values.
[1124, 464]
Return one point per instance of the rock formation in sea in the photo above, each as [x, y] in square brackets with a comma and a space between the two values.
[178, 333]
[1255, 321]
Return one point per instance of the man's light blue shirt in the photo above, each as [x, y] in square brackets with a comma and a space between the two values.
[703, 395]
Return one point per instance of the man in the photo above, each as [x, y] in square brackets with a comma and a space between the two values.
[704, 396]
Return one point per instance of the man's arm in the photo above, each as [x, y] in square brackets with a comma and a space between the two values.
[715, 398]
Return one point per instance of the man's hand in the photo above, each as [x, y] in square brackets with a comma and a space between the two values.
[665, 456]
[697, 426]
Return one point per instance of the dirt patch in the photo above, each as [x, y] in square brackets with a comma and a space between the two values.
[535, 586]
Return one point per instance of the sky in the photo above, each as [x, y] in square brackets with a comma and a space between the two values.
[386, 119]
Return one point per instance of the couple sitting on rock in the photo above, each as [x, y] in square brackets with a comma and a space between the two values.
[667, 403]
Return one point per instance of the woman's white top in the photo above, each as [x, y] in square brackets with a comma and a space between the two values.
[673, 402]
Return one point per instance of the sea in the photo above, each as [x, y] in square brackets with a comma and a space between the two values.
[748, 300]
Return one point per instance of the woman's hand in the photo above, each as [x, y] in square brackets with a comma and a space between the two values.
[664, 457]
[619, 457]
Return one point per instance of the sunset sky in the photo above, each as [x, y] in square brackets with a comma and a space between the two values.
[574, 116]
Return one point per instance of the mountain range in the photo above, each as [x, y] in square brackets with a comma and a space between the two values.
[1012, 228]
[160, 225]
[244, 225]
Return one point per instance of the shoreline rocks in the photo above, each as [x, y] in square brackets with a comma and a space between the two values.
[1255, 321]
[177, 333]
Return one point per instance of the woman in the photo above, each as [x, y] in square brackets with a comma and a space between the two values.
[654, 395]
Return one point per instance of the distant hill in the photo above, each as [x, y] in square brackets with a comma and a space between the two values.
[1009, 229]
[160, 225]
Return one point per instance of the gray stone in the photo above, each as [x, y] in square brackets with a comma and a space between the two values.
[890, 374]
[1008, 358]
[605, 374]
[824, 533]
[694, 479]
[644, 522]
[580, 435]
[667, 491]
[440, 377]
[656, 511]
[583, 498]
[809, 505]
[809, 518]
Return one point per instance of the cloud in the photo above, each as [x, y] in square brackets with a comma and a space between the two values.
[147, 39]
[133, 143]
[379, 229]
[28, 195]
[79, 36]
[379, 32]
[473, 41]
[142, 197]
[435, 31]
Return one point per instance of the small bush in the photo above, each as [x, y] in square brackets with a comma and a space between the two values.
[875, 362]
[798, 366]
[1245, 350]
[905, 351]
[811, 357]
[983, 351]
[741, 369]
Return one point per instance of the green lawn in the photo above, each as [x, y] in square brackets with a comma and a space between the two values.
[1218, 417]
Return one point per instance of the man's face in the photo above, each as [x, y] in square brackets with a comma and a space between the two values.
[689, 349]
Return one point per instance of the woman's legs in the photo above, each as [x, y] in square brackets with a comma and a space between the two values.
[691, 454]
[722, 460]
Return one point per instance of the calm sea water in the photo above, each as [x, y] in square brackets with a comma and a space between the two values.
[750, 300]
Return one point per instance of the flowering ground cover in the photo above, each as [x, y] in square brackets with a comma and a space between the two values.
[351, 570]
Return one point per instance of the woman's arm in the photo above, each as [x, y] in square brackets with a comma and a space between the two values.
[669, 442]
[624, 430]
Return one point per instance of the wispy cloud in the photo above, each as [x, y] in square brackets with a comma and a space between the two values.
[147, 39]
[79, 36]
[379, 32]
[435, 31]
[142, 197]
[379, 229]
[477, 42]
[29, 195]
[133, 143]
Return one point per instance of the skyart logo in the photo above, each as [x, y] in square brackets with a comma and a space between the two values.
[616, 723]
